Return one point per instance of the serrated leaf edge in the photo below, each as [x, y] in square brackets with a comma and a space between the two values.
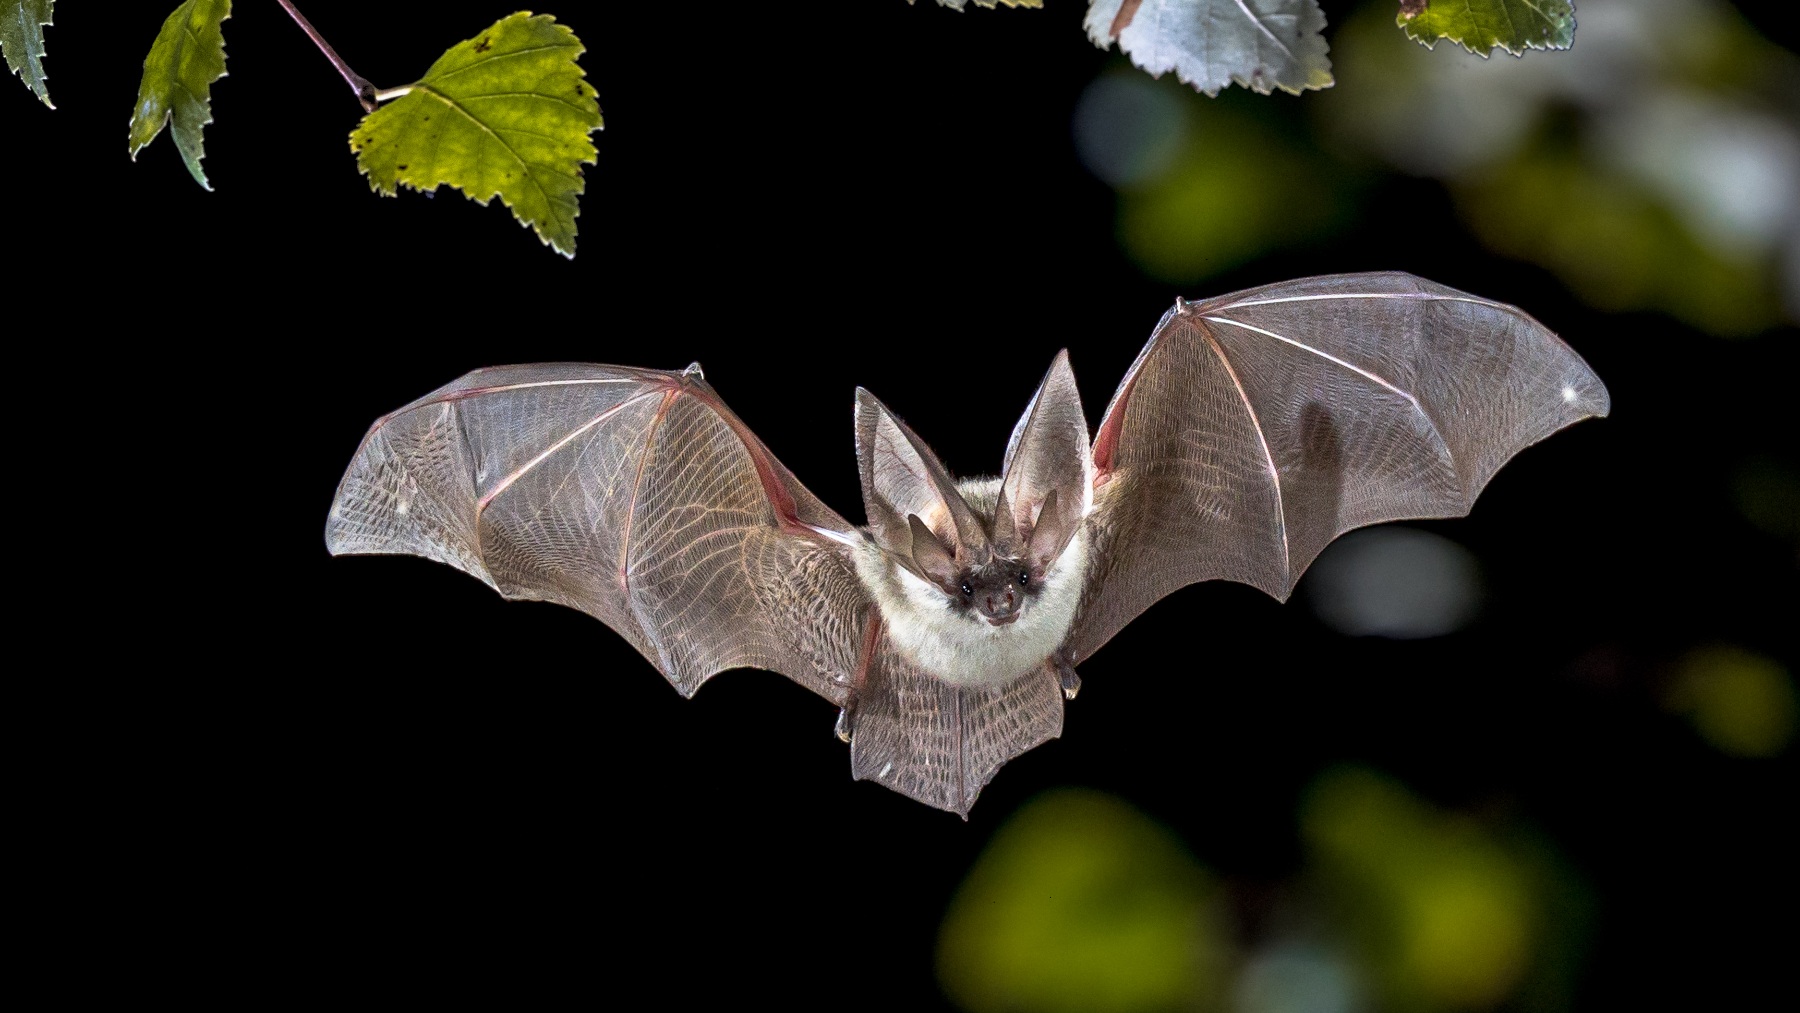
[36, 84]
[1105, 40]
[190, 159]
[580, 179]
[1405, 24]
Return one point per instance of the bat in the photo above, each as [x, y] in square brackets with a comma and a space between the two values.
[1252, 430]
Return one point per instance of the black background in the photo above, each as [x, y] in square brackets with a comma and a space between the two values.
[285, 774]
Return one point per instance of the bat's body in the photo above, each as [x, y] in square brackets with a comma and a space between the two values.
[1252, 430]
[962, 649]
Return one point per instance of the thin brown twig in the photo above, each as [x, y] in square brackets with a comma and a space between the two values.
[365, 92]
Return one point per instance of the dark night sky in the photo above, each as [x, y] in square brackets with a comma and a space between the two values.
[315, 770]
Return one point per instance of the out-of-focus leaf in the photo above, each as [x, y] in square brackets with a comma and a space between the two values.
[1768, 495]
[1741, 702]
[22, 41]
[1237, 188]
[1259, 44]
[1480, 25]
[506, 113]
[1082, 904]
[1615, 244]
[1652, 172]
[960, 4]
[1447, 917]
[186, 58]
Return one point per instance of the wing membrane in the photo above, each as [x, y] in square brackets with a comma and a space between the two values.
[632, 495]
[1255, 428]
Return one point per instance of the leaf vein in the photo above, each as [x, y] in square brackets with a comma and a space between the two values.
[526, 94]
[484, 61]
[543, 194]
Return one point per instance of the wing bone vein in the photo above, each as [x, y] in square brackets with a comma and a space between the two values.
[1371, 295]
[1287, 569]
[507, 482]
[1352, 367]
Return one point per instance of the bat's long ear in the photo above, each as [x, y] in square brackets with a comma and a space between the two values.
[1048, 483]
[902, 478]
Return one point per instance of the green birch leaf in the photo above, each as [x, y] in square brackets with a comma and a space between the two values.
[1210, 44]
[22, 41]
[505, 114]
[186, 58]
[1480, 25]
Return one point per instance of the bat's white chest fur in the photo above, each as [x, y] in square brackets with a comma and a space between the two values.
[958, 647]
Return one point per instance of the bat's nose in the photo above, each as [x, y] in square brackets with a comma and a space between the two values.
[1001, 607]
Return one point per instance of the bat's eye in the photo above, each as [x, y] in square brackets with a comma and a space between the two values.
[968, 592]
[1024, 577]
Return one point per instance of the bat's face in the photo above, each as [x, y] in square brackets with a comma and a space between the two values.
[995, 592]
[980, 622]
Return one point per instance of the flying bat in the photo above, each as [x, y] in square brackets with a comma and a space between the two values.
[1252, 430]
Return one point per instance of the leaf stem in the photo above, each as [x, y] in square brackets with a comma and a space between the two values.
[365, 92]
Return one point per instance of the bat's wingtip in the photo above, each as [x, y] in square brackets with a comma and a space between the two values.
[1591, 399]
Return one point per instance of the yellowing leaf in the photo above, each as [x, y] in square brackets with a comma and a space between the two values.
[1259, 44]
[1480, 25]
[504, 114]
[22, 41]
[186, 58]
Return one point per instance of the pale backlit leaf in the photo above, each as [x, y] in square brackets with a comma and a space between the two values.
[22, 41]
[1259, 44]
[506, 113]
[186, 58]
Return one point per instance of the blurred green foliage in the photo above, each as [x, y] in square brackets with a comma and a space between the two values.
[1233, 190]
[1768, 495]
[1614, 242]
[1082, 904]
[1653, 168]
[1442, 912]
[1741, 702]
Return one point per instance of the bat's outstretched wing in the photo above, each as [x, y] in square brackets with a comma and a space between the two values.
[1256, 427]
[633, 495]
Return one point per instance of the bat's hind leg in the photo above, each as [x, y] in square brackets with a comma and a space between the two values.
[1065, 671]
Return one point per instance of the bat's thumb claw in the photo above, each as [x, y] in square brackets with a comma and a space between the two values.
[845, 723]
[1065, 671]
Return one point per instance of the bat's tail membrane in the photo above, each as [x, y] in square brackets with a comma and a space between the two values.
[940, 743]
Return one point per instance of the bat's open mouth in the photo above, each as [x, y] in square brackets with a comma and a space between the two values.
[1001, 620]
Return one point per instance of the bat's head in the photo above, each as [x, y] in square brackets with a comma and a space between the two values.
[989, 544]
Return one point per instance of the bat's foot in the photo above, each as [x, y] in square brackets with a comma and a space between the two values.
[1065, 671]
